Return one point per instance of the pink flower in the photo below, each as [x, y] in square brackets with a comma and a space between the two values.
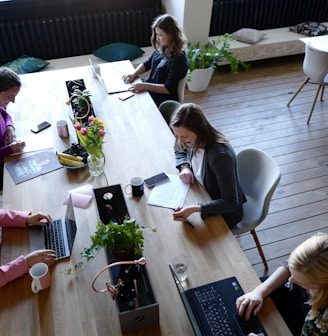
[90, 119]
[77, 126]
[84, 131]
[101, 133]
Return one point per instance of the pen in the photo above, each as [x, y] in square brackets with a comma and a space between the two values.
[186, 221]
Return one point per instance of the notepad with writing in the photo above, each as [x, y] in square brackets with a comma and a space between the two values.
[171, 194]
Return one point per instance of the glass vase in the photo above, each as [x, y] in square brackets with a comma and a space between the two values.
[96, 165]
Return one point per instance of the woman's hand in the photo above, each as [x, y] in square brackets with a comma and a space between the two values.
[129, 78]
[181, 214]
[38, 219]
[17, 147]
[187, 176]
[46, 256]
[248, 303]
[10, 135]
[138, 87]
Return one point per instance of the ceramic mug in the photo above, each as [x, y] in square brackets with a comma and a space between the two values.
[135, 187]
[41, 278]
[62, 128]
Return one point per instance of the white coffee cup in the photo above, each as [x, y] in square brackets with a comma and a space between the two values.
[41, 278]
[62, 128]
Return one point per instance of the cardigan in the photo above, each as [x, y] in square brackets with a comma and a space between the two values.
[5, 121]
[220, 178]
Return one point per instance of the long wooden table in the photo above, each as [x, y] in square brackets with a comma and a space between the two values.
[139, 143]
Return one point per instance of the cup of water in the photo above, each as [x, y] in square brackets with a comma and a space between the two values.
[180, 266]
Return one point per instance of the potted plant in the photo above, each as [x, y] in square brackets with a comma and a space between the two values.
[203, 62]
[81, 104]
[122, 240]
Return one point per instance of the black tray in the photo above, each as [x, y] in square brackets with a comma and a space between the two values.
[114, 209]
[72, 85]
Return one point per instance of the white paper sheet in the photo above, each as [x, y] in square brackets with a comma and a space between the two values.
[171, 194]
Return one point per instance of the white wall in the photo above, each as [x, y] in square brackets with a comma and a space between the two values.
[193, 15]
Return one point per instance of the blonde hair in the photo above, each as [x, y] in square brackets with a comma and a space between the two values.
[311, 259]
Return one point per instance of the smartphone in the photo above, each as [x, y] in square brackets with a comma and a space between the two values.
[156, 179]
[41, 127]
[125, 96]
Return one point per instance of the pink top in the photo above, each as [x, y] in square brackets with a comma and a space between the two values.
[17, 267]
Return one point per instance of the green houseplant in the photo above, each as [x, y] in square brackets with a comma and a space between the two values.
[124, 239]
[116, 238]
[204, 61]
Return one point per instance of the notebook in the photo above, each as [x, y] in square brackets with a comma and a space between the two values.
[58, 235]
[110, 79]
[211, 309]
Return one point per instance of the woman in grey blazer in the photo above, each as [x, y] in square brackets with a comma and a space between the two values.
[204, 154]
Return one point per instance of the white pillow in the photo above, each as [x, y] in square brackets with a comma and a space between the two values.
[248, 35]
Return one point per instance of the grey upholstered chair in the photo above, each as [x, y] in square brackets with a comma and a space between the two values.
[167, 108]
[259, 176]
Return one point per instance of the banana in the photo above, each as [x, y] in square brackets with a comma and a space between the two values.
[71, 163]
[69, 157]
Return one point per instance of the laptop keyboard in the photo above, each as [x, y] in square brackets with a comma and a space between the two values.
[214, 311]
[54, 239]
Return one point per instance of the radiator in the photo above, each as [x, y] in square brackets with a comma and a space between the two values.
[73, 35]
[231, 15]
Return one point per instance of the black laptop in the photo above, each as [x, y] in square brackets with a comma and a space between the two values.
[58, 235]
[211, 309]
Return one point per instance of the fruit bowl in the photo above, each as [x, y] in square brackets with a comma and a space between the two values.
[74, 157]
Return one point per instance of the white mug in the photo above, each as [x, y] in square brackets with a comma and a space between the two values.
[62, 128]
[41, 278]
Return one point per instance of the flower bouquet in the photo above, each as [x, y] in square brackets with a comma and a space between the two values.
[91, 136]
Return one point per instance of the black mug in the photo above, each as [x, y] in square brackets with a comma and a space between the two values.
[135, 187]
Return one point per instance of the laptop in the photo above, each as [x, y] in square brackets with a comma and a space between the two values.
[110, 79]
[212, 310]
[58, 235]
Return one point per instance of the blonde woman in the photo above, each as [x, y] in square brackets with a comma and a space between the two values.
[307, 268]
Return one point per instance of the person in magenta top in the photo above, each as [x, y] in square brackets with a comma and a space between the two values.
[10, 85]
[22, 264]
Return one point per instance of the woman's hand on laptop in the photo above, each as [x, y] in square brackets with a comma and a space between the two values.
[46, 256]
[38, 219]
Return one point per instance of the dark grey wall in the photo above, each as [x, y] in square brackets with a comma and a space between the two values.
[35, 8]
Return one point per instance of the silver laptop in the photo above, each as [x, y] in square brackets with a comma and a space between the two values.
[110, 79]
[58, 235]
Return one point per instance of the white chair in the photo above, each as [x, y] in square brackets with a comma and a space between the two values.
[315, 67]
[259, 176]
[181, 88]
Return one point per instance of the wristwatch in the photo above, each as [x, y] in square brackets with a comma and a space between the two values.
[183, 166]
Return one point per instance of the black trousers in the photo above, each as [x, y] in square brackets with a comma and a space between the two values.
[292, 306]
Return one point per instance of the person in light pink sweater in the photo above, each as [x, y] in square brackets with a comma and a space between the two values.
[22, 264]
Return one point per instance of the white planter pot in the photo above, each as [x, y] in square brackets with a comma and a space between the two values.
[200, 79]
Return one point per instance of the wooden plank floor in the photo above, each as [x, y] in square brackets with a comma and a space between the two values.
[251, 109]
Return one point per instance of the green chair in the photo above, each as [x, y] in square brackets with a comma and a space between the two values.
[167, 108]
